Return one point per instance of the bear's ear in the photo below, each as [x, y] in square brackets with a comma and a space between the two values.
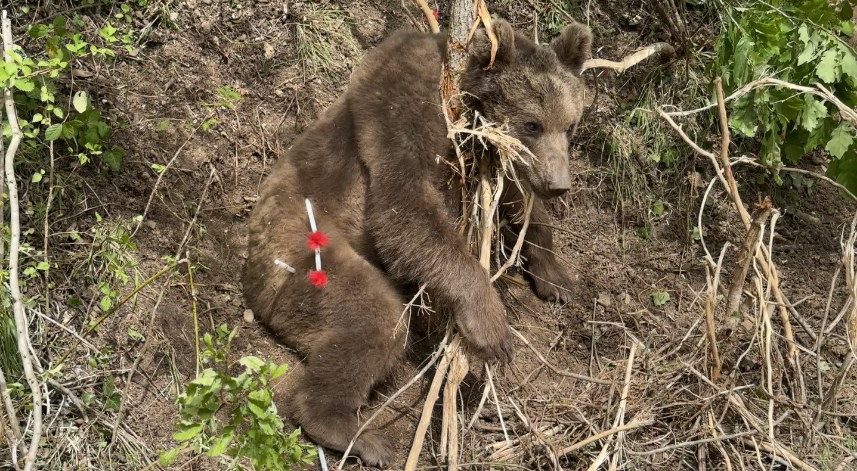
[573, 47]
[480, 45]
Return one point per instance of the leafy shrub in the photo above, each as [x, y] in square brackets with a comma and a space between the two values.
[44, 115]
[234, 417]
[805, 43]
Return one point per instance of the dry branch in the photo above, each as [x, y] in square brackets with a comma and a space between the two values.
[736, 284]
[428, 406]
[723, 167]
[663, 51]
[24, 347]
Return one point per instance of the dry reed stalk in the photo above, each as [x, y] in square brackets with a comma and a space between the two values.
[431, 399]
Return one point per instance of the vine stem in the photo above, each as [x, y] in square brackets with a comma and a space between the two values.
[14, 247]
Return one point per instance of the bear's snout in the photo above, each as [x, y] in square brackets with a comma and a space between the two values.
[559, 183]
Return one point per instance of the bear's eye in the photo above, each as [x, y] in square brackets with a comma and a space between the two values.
[532, 128]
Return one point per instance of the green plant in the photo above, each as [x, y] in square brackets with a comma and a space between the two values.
[805, 43]
[45, 115]
[234, 417]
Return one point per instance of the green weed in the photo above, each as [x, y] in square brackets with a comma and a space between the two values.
[234, 417]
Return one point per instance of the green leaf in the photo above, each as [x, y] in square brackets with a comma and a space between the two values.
[807, 53]
[844, 171]
[252, 362]
[206, 378]
[43, 266]
[658, 208]
[169, 457]
[134, 334]
[840, 140]
[25, 85]
[53, 132]
[80, 101]
[219, 446]
[660, 297]
[37, 177]
[849, 65]
[846, 13]
[105, 304]
[187, 433]
[113, 158]
[827, 68]
[813, 111]
[38, 31]
[163, 125]
[280, 370]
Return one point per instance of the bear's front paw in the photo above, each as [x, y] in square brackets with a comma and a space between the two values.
[551, 281]
[483, 324]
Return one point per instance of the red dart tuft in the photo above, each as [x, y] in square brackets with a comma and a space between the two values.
[317, 240]
[436, 14]
[318, 278]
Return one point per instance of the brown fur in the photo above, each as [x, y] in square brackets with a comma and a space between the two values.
[370, 167]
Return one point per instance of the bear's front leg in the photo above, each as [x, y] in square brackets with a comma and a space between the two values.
[418, 243]
[551, 281]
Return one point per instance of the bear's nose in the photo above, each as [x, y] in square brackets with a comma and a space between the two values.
[554, 191]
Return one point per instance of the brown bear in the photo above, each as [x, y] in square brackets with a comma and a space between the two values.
[371, 166]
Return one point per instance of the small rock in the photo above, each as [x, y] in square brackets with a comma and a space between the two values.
[604, 299]
[626, 298]
[248, 315]
[269, 51]
[151, 224]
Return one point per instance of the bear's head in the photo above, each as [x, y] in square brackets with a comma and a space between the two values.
[536, 91]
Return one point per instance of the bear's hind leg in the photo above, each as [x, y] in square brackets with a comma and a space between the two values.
[360, 337]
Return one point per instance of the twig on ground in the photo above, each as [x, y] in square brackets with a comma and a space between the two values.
[9, 408]
[633, 424]
[22, 333]
[710, 303]
[147, 335]
[557, 370]
[116, 307]
[47, 226]
[623, 402]
[676, 446]
[71, 396]
[780, 450]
